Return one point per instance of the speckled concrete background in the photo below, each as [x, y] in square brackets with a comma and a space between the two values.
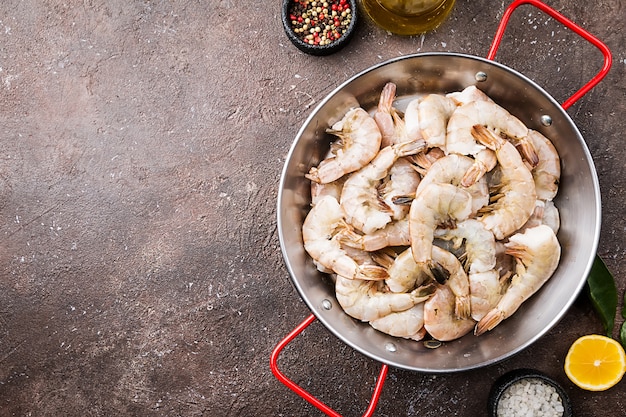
[141, 148]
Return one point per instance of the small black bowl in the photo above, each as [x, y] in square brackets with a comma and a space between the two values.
[319, 50]
[518, 375]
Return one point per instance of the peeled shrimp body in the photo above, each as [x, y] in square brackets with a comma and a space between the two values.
[434, 111]
[360, 142]
[545, 213]
[551, 216]
[369, 300]
[440, 319]
[321, 241]
[450, 170]
[388, 119]
[331, 188]
[538, 252]
[363, 207]
[456, 280]
[404, 273]
[479, 244]
[395, 233]
[402, 180]
[469, 94]
[485, 292]
[412, 121]
[479, 255]
[435, 205]
[547, 171]
[408, 324]
[459, 137]
[516, 199]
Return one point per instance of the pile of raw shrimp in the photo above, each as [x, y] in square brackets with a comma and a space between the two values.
[435, 220]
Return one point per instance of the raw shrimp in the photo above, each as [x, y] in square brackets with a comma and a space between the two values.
[486, 289]
[434, 111]
[408, 324]
[479, 244]
[485, 113]
[395, 233]
[436, 204]
[551, 216]
[446, 264]
[469, 94]
[360, 142]
[423, 161]
[516, 192]
[388, 119]
[401, 181]
[363, 207]
[537, 252]
[412, 120]
[479, 257]
[331, 188]
[370, 300]
[547, 171]
[320, 236]
[484, 161]
[450, 170]
[545, 212]
[405, 274]
[439, 318]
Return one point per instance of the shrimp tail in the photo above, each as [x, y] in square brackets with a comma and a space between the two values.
[423, 292]
[410, 148]
[372, 273]
[462, 307]
[313, 175]
[403, 200]
[473, 174]
[387, 96]
[384, 257]
[489, 321]
[528, 152]
[486, 137]
[349, 237]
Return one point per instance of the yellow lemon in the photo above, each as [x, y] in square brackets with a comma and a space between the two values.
[595, 362]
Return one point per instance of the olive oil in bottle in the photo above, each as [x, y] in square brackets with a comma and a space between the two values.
[408, 17]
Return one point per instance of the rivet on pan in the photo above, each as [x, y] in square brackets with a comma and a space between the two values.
[481, 76]
[432, 344]
[546, 120]
[326, 304]
[390, 347]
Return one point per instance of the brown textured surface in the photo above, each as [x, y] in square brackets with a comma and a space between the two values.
[142, 143]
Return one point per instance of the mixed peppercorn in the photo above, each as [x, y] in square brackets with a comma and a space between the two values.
[320, 22]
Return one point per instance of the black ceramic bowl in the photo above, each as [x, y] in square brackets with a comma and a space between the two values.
[333, 46]
[513, 377]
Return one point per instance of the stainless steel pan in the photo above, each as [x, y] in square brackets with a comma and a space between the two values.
[578, 201]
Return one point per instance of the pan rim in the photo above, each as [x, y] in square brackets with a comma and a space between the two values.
[316, 309]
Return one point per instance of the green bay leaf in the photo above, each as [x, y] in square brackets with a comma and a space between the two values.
[603, 294]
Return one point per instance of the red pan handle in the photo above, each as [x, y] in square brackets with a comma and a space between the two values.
[302, 392]
[570, 25]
